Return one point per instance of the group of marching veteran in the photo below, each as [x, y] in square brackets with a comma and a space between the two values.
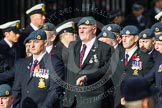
[44, 66]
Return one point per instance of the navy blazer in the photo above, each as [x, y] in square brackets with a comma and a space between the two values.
[155, 76]
[8, 55]
[26, 92]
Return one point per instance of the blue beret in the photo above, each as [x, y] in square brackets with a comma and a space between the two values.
[107, 34]
[137, 88]
[49, 27]
[112, 27]
[129, 30]
[89, 20]
[157, 27]
[146, 34]
[5, 90]
[158, 37]
[36, 35]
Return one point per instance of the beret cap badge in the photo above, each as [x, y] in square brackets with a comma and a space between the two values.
[39, 37]
[156, 29]
[7, 92]
[144, 35]
[160, 38]
[109, 28]
[104, 34]
[45, 26]
[127, 32]
[87, 22]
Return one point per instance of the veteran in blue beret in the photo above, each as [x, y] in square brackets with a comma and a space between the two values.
[108, 37]
[6, 97]
[147, 42]
[9, 49]
[132, 61]
[154, 76]
[50, 30]
[35, 76]
[138, 92]
[87, 53]
[115, 29]
[157, 28]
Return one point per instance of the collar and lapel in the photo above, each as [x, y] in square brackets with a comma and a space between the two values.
[91, 53]
[89, 56]
[122, 58]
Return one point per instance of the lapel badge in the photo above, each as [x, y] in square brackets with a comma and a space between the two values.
[96, 60]
[109, 28]
[41, 83]
[127, 32]
[87, 22]
[95, 56]
[45, 26]
[39, 37]
[144, 35]
[91, 61]
[160, 68]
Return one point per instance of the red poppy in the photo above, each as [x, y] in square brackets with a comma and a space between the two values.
[134, 57]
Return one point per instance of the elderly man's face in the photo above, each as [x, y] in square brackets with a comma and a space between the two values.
[158, 46]
[87, 32]
[129, 41]
[6, 102]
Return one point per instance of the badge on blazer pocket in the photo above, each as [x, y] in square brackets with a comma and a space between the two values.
[41, 83]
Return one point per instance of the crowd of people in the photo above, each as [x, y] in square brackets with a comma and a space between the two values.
[44, 66]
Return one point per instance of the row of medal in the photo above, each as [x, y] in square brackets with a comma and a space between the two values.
[137, 65]
[41, 73]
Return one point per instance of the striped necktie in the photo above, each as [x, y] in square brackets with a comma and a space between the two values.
[82, 54]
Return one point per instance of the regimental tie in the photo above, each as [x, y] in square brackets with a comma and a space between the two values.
[82, 54]
[126, 60]
[32, 68]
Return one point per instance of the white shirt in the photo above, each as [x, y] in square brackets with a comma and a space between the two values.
[49, 48]
[39, 58]
[9, 43]
[130, 53]
[89, 46]
[115, 46]
[33, 26]
[151, 51]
